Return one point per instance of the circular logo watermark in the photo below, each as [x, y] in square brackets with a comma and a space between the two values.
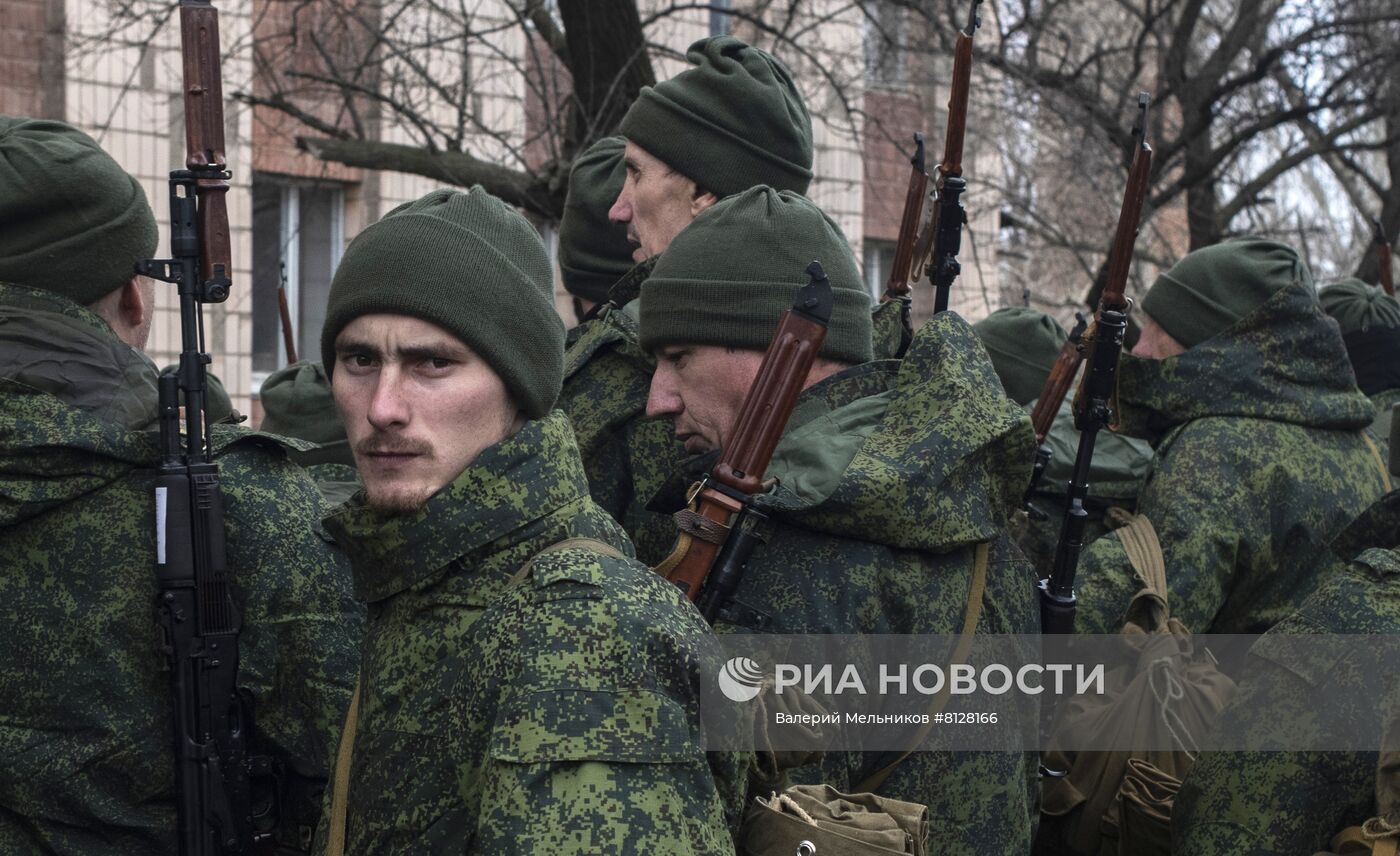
[740, 679]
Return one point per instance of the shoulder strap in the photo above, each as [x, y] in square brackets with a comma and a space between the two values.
[1380, 461]
[340, 794]
[971, 615]
[567, 544]
[1150, 607]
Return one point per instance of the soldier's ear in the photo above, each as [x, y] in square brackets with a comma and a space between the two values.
[136, 302]
[700, 201]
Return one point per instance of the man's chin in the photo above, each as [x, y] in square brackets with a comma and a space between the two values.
[395, 500]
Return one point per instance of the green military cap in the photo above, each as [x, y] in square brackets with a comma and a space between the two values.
[71, 220]
[470, 264]
[297, 402]
[1357, 306]
[730, 274]
[1023, 344]
[593, 250]
[734, 121]
[1213, 287]
[1370, 323]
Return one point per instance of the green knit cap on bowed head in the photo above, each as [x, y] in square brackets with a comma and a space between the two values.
[470, 264]
[729, 275]
[71, 220]
[1357, 306]
[733, 122]
[593, 250]
[297, 402]
[1023, 344]
[1213, 287]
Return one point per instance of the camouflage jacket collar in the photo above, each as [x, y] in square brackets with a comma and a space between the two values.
[51, 344]
[629, 287]
[502, 499]
[924, 454]
[615, 326]
[1283, 362]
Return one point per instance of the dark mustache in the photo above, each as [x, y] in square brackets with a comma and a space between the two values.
[389, 444]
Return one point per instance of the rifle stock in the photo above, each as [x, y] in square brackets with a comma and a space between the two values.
[897, 286]
[1098, 388]
[1058, 382]
[936, 250]
[738, 474]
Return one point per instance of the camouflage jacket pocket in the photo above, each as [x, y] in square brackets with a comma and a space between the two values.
[624, 726]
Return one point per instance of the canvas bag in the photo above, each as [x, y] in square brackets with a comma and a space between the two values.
[1162, 692]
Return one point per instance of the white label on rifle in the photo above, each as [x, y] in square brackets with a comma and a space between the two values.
[160, 525]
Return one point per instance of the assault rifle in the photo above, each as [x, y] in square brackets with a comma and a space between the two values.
[1383, 258]
[1098, 390]
[936, 250]
[721, 528]
[198, 618]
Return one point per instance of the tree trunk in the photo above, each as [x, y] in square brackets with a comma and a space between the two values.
[609, 63]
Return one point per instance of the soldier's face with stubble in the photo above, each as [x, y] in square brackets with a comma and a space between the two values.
[419, 406]
[701, 388]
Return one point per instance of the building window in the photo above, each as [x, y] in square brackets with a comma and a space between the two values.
[884, 60]
[719, 17]
[879, 258]
[298, 237]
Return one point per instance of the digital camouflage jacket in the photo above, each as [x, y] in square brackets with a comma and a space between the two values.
[85, 731]
[1385, 407]
[1294, 802]
[553, 714]
[890, 473]
[627, 457]
[1261, 461]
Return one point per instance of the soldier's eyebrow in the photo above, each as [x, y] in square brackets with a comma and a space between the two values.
[355, 346]
[418, 352]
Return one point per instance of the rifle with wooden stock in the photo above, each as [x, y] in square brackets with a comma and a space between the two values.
[196, 608]
[1052, 395]
[719, 530]
[1383, 258]
[1095, 403]
[936, 250]
[897, 284]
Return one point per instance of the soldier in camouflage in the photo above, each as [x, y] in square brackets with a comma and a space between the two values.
[297, 402]
[733, 121]
[1294, 802]
[1370, 323]
[1023, 344]
[85, 753]
[521, 691]
[594, 252]
[1243, 387]
[892, 477]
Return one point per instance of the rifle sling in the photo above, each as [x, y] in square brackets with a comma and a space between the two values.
[1380, 461]
[340, 793]
[976, 588]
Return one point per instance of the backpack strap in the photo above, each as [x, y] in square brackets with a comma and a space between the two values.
[971, 615]
[340, 794]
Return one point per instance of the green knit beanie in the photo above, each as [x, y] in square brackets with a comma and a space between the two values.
[1357, 306]
[297, 402]
[593, 250]
[1212, 288]
[1023, 344]
[730, 274]
[734, 121]
[71, 220]
[471, 265]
